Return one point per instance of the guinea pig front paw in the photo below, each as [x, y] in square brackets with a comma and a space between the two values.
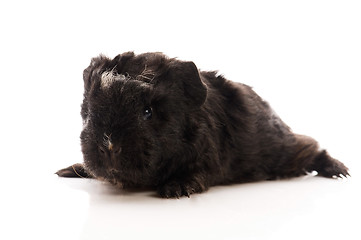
[177, 189]
[74, 171]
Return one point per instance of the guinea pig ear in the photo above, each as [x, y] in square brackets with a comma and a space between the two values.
[119, 61]
[186, 75]
[88, 72]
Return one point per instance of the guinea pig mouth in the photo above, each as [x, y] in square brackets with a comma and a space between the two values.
[115, 183]
[112, 177]
[127, 171]
[113, 173]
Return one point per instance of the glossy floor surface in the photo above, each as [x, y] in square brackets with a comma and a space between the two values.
[301, 208]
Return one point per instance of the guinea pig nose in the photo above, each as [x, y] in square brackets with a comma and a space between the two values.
[116, 151]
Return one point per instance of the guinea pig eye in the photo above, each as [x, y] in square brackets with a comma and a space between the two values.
[147, 114]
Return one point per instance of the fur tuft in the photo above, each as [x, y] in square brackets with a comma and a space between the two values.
[109, 77]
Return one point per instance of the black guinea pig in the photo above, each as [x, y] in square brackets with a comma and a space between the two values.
[154, 121]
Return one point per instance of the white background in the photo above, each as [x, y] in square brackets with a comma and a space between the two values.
[304, 57]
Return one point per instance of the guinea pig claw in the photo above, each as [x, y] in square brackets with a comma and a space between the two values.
[175, 189]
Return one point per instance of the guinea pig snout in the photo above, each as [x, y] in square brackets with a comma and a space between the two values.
[115, 151]
[112, 152]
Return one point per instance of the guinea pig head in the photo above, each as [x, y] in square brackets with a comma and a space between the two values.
[136, 117]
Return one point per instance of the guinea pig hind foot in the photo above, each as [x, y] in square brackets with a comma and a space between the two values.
[74, 171]
[326, 166]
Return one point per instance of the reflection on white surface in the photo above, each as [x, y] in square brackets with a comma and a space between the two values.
[306, 207]
[272, 210]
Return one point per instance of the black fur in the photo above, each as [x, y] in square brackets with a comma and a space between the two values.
[181, 131]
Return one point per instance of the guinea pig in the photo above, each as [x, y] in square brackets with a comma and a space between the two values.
[158, 122]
